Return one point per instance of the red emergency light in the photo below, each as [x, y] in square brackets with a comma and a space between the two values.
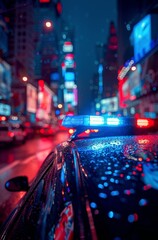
[144, 122]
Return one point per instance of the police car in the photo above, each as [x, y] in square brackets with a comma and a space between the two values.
[102, 183]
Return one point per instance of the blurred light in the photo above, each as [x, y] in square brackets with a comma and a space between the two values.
[87, 131]
[128, 27]
[71, 131]
[133, 68]
[100, 69]
[54, 76]
[69, 76]
[2, 118]
[67, 47]
[44, 1]
[59, 8]
[14, 118]
[5, 109]
[41, 85]
[96, 120]
[69, 85]
[125, 69]
[24, 79]
[60, 105]
[57, 112]
[69, 56]
[113, 121]
[10, 134]
[48, 24]
[145, 122]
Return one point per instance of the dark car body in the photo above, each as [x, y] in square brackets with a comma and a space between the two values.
[92, 188]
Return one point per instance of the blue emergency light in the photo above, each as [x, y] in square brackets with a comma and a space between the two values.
[95, 125]
[91, 121]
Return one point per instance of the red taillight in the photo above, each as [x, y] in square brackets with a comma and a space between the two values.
[145, 123]
[2, 118]
[41, 130]
[10, 134]
[50, 131]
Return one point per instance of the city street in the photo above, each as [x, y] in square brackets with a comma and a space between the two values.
[23, 159]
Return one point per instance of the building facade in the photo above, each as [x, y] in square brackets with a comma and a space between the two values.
[138, 52]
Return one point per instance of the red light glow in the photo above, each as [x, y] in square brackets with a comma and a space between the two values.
[2, 118]
[44, 1]
[69, 56]
[41, 85]
[145, 122]
[59, 7]
[10, 134]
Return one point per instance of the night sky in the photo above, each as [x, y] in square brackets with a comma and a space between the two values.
[91, 21]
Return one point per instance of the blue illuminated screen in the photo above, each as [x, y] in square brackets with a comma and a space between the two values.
[142, 38]
[69, 76]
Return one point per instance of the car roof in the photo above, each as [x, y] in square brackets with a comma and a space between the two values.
[121, 179]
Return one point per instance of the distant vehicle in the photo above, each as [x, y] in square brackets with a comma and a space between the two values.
[102, 183]
[20, 133]
[48, 130]
[11, 133]
[29, 130]
[6, 133]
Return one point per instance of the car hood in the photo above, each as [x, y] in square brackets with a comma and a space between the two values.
[120, 178]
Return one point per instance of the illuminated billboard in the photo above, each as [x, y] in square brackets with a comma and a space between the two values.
[109, 105]
[126, 90]
[145, 36]
[142, 37]
[130, 88]
[71, 96]
[69, 76]
[68, 96]
[69, 63]
[31, 95]
[135, 82]
[69, 84]
[45, 97]
[67, 47]
[5, 109]
[143, 80]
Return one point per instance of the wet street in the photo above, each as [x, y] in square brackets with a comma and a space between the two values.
[23, 159]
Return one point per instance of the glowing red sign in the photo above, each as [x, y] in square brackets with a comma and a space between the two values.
[44, 1]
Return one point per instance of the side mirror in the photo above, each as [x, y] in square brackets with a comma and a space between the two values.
[17, 184]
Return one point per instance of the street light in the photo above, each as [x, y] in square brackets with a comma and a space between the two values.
[60, 105]
[48, 25]
[24, 78]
